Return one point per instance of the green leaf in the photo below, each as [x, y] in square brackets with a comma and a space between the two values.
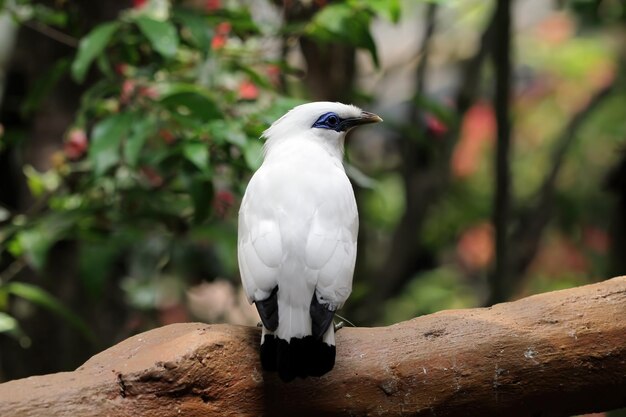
[192, 105]
[173, 88]
[201, 191]
[4, 214]
[198, 154]
[341, 22]
[7, 323]
[35, 245]
[255, 77]
[42, 298]
[161, 34]
[189, 104]
[49, 16]
[7, 232]
[389, 9]
[443, 112]
[35, 242]
[198, 26]
[252, 154]
[221, 131]
[104, 151]
[90, 47]
[189, 101]
[10, 326]
[95, 262]
[141, 130]
[241, 20]
[41, 182]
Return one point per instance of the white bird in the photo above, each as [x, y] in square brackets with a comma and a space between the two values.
[298, 226]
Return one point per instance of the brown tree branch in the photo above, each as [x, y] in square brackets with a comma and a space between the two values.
[554, 354]
[52, 33]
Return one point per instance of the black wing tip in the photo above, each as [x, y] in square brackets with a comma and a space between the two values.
[268, 310]
[321, 317]
[300, 357]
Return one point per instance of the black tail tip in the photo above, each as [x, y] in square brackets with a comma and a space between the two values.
[298, 357]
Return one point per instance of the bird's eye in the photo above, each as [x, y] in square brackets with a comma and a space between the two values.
[332, 120]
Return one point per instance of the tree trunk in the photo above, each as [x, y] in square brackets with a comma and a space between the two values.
[554, 354]
[499, 278]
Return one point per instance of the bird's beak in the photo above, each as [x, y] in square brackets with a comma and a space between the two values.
[367, 117]
[363, 119]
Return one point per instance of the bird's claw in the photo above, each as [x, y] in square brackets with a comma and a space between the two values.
[339, 325]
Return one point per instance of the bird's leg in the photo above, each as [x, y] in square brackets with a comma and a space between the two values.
[339, 325]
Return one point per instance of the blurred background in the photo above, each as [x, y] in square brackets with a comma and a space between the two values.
[129, 129]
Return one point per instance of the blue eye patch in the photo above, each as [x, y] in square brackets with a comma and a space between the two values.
[331, 121]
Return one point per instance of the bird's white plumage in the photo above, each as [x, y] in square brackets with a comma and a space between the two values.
[298, 220]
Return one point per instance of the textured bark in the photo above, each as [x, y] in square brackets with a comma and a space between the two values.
[553, 354]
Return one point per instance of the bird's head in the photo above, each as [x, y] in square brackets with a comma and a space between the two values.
[322, 121]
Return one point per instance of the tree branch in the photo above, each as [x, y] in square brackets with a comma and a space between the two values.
[52, 33]
[553, 354]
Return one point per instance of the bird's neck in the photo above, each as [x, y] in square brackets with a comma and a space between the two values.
[304, 145]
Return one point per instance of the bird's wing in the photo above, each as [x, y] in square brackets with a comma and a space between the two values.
[331, 243]
[259, 245]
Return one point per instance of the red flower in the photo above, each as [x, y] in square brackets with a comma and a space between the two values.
[435, 126]
[248, 91]
[596, 239]
[221, 35]
[137, 4]
[223, 28]
[475, 247]
[557, 256]
[556, 29]
[218, 42]
[149, 92]
[224, 200]
[153, 177]
[211, 5]
[478, 129]
[121, 68]
[128, 89]
[167, 136]
[76, 144]
[273, 73]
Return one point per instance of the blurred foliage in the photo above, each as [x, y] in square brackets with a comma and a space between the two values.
[438, 289]
[561, 62]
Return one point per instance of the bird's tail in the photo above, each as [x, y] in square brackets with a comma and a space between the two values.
[298, 356]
